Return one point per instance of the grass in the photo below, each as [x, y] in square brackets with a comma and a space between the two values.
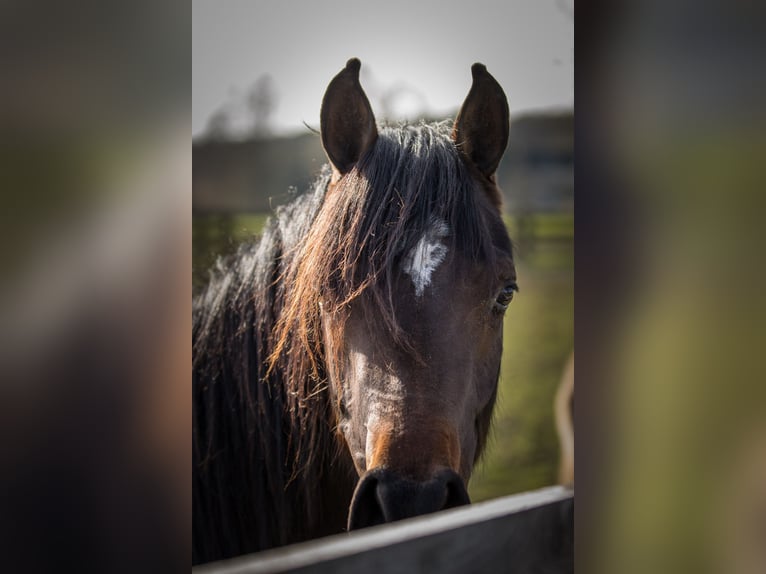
[541, 226]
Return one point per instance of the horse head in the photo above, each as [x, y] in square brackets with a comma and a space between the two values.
[413, 347]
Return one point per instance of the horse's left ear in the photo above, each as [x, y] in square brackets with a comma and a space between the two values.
[346, 120]
[481, 126]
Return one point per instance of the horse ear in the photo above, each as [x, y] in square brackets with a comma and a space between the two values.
[481, 126]
[347, 123]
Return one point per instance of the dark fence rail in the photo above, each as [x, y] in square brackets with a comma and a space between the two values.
[524, 533]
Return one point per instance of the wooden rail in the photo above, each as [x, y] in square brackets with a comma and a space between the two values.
[528, 532]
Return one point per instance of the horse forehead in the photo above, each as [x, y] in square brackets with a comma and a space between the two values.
[425, 257]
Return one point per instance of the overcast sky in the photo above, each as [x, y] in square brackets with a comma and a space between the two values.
[422, 48]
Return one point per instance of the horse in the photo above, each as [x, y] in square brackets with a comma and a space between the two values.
[345, 365]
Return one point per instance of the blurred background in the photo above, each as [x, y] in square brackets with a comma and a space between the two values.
[260, 71]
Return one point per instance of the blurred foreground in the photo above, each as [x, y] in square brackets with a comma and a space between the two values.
[671, 403]
[95, 212]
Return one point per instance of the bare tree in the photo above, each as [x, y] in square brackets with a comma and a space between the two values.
[218, 126]
[261, 103]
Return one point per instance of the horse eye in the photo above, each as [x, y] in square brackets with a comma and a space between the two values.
[505, 297]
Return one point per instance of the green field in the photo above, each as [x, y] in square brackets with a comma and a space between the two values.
[217, 235]
[542, 226]
[538, 337]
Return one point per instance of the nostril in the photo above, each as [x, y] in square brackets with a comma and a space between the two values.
[456, 493]
[366, 509]
[382, 496]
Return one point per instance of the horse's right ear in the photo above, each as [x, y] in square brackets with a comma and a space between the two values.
[347, 123]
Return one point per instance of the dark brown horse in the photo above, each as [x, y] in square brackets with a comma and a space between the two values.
[346, 365]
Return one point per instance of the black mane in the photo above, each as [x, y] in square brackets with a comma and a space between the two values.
[241, 427]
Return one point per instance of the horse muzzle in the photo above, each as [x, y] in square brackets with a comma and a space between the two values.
[384, 496]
